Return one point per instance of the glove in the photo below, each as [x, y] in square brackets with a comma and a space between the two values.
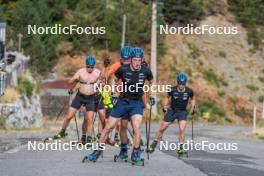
[106, 62]
[152, 101]
[165, 110]
[70, 91]
[114, 100]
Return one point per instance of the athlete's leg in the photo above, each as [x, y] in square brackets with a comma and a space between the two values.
[123, 131]
[89, 119]
[101, 123]
[68, 118]
[111, 123]
[136, 121]
[163, 126]
[182, 127]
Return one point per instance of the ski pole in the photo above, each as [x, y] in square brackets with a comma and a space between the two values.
[77, 129]
[61, 110]
[94, 118]
[149, 130]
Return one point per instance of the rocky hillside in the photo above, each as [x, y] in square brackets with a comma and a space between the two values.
[227, 78]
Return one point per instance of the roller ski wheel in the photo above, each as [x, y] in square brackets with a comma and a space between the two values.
[48, 139]
[92, 157]
[85, 159]
[117, 158]
[181, 154]
[150, 150]
[138, 163]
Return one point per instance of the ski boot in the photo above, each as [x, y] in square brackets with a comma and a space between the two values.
[89, 142]
[109, 141]
[93, 156]
[60, 135]
[181, 152]
[136, 159]
[152, 147]
[117, 140]
[122, 155]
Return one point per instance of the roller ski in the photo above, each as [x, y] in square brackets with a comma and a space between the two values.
[181, 152]
[122, 157]
[86, 141]
[152, 147]
[136, 159]
[92, 157]
[58, 136]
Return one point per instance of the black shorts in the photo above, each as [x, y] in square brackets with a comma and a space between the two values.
[108, 112]
[82, 99]
[172, 115]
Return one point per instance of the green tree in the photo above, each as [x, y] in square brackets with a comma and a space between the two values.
[183, 11]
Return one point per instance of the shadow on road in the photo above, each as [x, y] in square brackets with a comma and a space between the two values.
[219, 163]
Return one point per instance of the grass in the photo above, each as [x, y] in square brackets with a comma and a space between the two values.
[213, 78]
[10, 96]
[222, 54]
[213, 108]
[261, 79]
[252, 87]
[261, 98]
[221, 93]
[2, 123]
[189, 72]
[195, 52]
[233, 100]
[25, 86]
[242, 112]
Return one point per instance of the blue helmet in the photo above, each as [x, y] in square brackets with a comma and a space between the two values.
[138, 52]
[90, 60]
[125, 52]
[181, 78]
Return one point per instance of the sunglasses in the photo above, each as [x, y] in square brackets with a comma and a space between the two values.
[89, 66]
[183, 84]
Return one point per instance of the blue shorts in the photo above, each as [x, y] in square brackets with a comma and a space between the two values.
[127, 108]
[171, 115]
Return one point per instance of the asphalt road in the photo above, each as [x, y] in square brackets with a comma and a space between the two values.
[248, 159]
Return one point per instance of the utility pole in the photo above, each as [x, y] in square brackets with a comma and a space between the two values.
[263, 110]
[19, 41]
[124, 25]
[254, 117]
[153, 63]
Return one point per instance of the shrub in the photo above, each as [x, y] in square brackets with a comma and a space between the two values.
[261, 98]
[222, 54]
[252, 87]
[242, 112]
[189, 72]
[25, 86]
[195, 52]
[261, 79]
[213, 107]
[221, 93]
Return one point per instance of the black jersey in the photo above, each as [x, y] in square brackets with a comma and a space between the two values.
[133, 81]
[179, 100]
